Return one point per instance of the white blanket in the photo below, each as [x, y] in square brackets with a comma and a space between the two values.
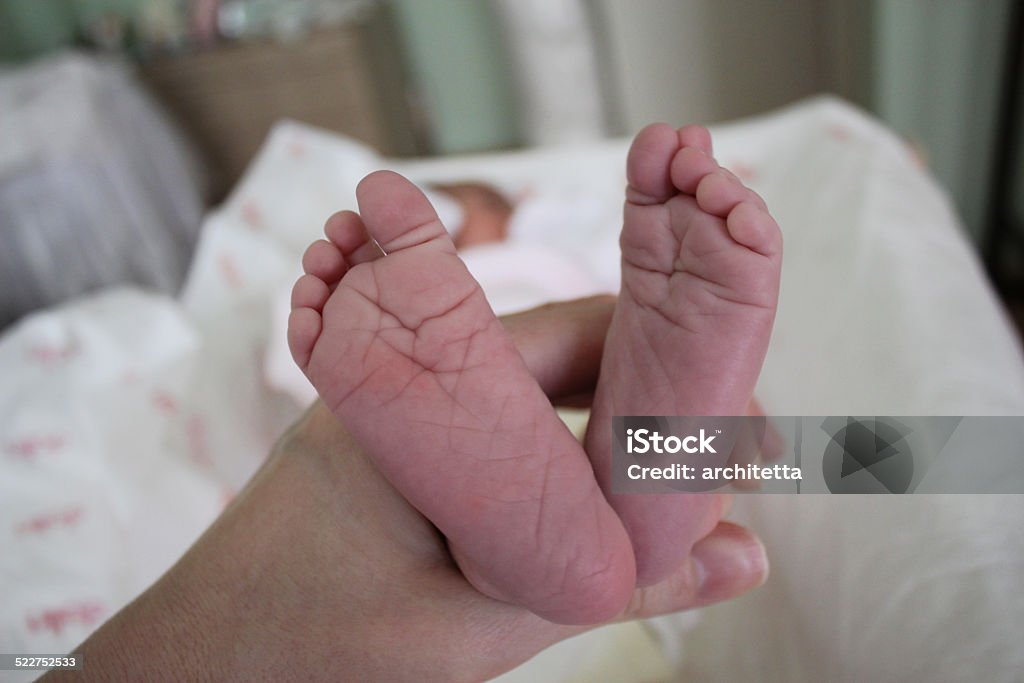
[127, 419]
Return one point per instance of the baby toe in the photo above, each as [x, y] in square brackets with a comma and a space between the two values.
[648, 163]
[310, 292]
[398, 215]
[324, 260]
[720, 192]
[689, 166]
[696, 136]
[304, 327]
[754, 228]
[347, 232]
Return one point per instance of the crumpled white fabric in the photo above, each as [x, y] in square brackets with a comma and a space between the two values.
[127, 419]
[107, 474]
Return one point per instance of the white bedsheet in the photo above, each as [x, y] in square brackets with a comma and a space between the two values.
[127, 419]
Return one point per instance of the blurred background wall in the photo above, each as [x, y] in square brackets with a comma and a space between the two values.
[929, 68]
[473, 76]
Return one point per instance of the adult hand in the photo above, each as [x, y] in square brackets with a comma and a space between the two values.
[319, 569]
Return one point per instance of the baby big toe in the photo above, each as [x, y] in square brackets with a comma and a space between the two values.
[647, 165]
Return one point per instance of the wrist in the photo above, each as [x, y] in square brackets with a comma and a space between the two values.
[233, 607]
[166, 632]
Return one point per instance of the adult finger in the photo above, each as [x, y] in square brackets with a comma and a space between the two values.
[562, 343]
[725, 564]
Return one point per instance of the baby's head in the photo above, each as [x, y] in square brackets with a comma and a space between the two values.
[483, 212]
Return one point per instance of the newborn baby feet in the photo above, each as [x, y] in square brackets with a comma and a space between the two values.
[701, 260]
[404, 349]
[402, 346]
